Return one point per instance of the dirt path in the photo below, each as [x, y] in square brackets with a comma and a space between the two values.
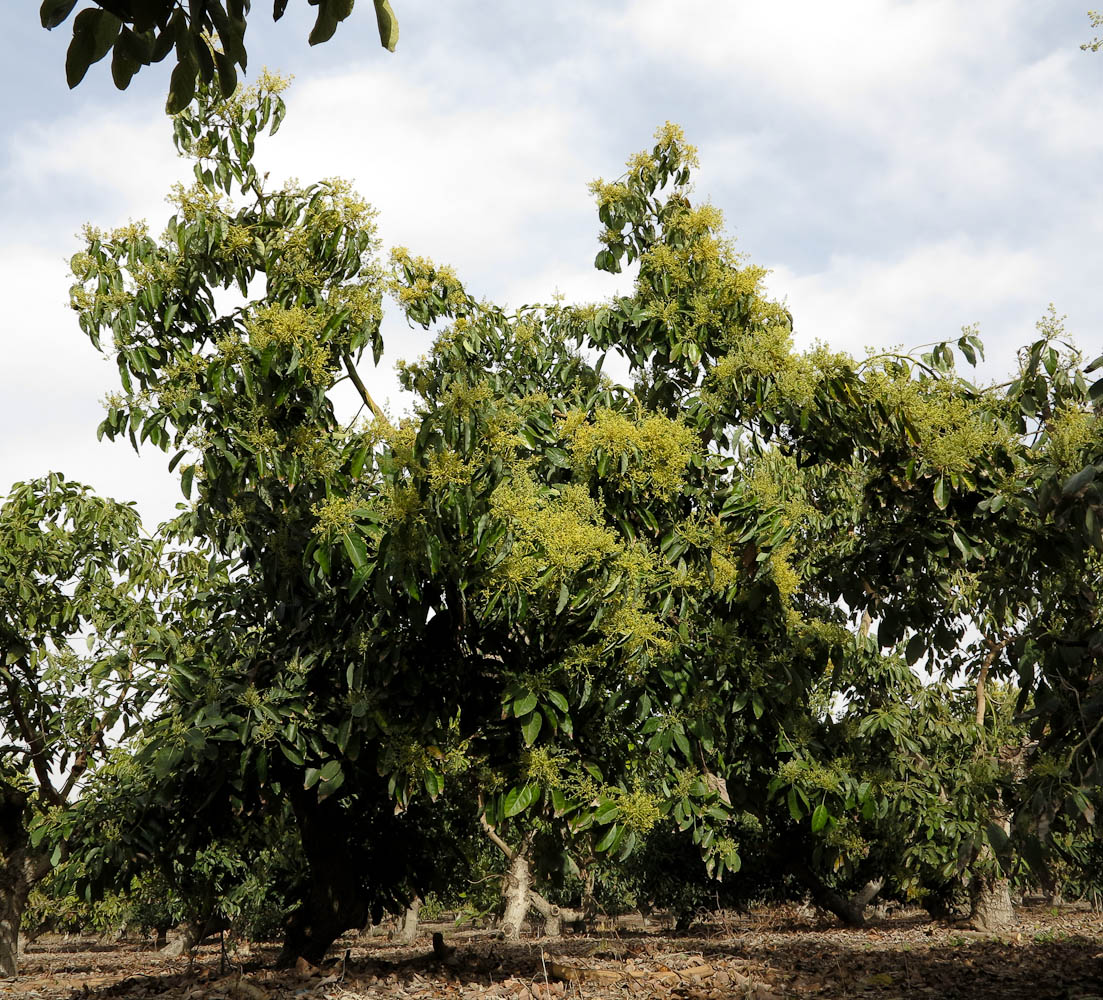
[772, 952]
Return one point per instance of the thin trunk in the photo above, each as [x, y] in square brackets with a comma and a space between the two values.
[989, 892]
[866, 895]
[9, 937]
[407, 923]
[518, 882]
[553, 914]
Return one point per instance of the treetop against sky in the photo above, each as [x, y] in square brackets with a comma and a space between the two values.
[901, 172]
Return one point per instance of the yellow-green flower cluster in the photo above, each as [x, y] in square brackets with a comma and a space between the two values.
[293, 327]
[953, 430]
[655, 449]
[418, 278]
[337, 515]
[1071, 435]
[564, 531]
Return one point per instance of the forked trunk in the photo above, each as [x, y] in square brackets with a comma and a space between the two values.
[850, 911]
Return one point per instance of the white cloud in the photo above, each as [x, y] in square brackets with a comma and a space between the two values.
[923, 296]
[483, 188]
[845, 60]
[54, 382]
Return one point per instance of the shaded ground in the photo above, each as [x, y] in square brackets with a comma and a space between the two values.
[775, 952]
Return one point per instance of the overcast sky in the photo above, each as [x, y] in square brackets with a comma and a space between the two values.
[903, 168]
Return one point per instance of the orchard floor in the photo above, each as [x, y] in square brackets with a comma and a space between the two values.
[771, 952]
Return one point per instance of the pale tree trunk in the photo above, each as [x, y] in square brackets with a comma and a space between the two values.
[866, 895]
[990, 899]
[18, 875]
[519, 894]
[518, 882]
[407, 923]
[989, 892]
[10, 914]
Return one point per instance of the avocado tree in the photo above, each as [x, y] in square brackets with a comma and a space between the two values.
[555, 596]
[589, 608]
[78, 590]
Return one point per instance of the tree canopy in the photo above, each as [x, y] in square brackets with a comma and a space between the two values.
[568, 614]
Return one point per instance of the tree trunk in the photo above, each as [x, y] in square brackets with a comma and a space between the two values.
[333, 900]
[990, 902]
[20, 871]
[518, 882]
[866, 895]
[10, 914]
[407, 923]
[553, 914]
[829, 899]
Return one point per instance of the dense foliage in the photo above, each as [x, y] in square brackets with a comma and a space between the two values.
[579, 619]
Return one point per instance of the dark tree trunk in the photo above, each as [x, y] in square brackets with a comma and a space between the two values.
[20, 870]
[333, 901]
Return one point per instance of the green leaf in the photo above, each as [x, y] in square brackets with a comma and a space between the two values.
[525, 704]
[1074, 484]
[324, 26]
[227, 74]
[612, 835]
[229, 35]
[608, 811]
[388, 25]
[916, 647]
[54, 12]
[564, 597]
[123, 66]
[819, 818]
[519, 799]
[530, 727]
[355, 548]
[558, 700]
[181, 87]
[94, 32]
[941, 498]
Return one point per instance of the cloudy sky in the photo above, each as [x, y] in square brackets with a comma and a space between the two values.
[903, 168]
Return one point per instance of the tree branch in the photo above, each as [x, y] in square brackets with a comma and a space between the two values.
[363, 390]
[493, 834]
[34, 744]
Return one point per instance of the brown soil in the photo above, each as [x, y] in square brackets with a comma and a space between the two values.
[771, 952]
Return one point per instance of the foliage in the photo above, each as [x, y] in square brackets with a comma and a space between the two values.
[582, 610]
[208, 37]
[73, 567]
